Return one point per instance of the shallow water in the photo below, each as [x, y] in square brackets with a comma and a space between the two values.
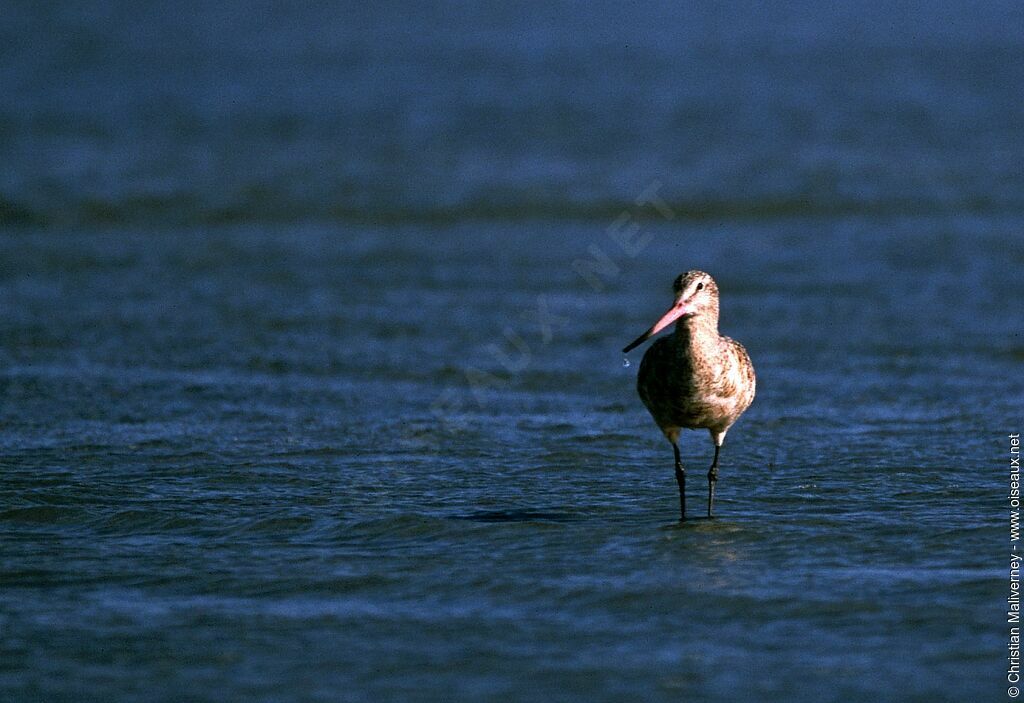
[246, 485]
[256, 443]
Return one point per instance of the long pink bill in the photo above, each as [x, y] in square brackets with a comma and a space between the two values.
[673, 314]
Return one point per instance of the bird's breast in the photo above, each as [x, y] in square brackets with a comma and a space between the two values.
[693, 387]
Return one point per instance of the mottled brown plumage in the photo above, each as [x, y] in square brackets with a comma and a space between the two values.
[694, 378]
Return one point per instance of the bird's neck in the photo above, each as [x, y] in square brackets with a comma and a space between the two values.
[697, 336]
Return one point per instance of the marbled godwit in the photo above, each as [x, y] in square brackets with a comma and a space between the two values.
[695, 378]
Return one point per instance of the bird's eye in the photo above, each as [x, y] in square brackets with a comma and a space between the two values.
[700, 286]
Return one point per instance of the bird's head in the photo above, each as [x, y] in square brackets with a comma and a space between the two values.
[696, 300]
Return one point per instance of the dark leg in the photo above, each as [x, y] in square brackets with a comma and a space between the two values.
[712, 480]
[681, 480]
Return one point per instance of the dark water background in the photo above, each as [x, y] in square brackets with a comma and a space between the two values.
[254, 443]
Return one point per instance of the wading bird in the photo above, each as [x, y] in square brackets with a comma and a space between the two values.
[695, 378]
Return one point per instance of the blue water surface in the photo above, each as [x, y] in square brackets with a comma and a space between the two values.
[310, 319]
